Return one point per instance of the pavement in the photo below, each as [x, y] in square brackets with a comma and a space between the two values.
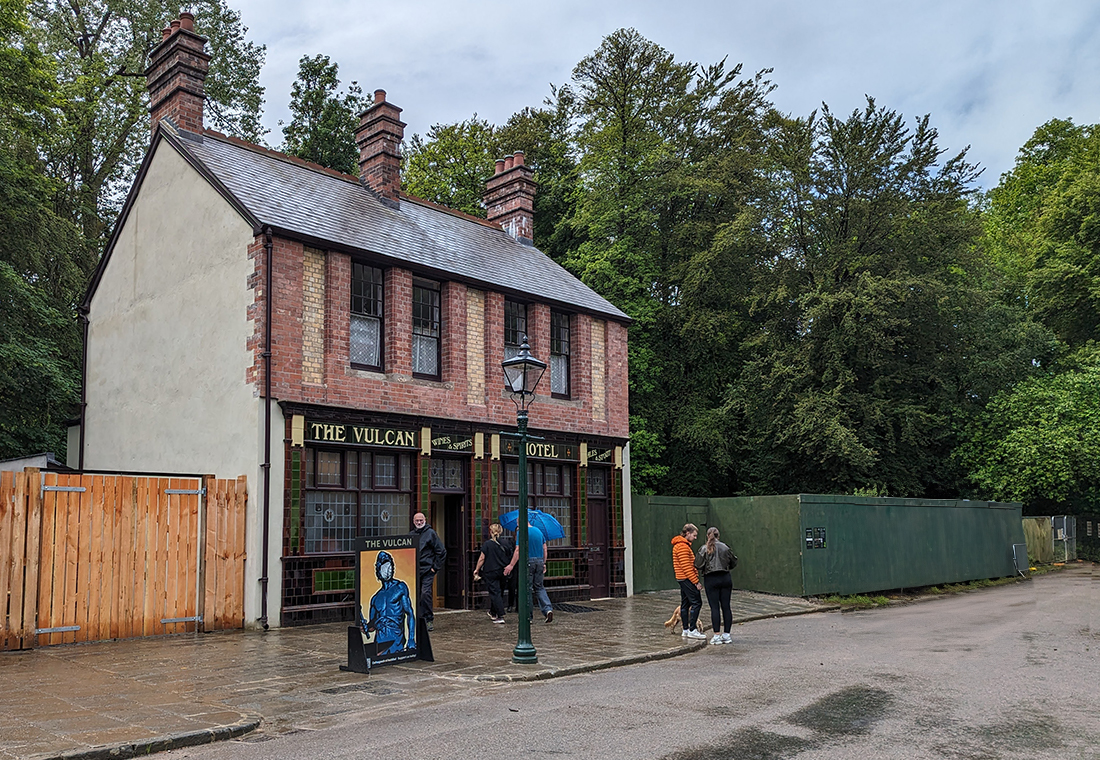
[124, 698]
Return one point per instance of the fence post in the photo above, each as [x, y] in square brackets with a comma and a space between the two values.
[33, 553]
[205, 594]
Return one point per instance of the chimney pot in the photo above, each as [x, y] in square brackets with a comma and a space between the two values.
[508, 160]
[166, 33]
[500, 165]
[518, 158]
[187, 21]
[175, 25]
[379, 96]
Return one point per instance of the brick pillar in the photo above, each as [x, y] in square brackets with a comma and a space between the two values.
[176, 76]
[398, 321]
[510, 198]
[379, 139]
[453, 350]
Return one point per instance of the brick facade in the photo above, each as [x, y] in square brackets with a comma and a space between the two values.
[309, 313]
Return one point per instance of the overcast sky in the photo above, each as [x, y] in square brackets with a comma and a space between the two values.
[988, 73]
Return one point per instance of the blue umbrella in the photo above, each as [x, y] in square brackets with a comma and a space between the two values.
[544, 521]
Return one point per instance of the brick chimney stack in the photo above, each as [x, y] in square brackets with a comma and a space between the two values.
[510, 198]
[176, 75]
[379, 139]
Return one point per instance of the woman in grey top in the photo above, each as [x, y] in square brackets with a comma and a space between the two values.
[714, 561]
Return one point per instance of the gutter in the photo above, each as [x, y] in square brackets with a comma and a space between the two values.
[268, 295]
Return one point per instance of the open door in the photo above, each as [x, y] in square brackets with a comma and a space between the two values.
[447, 518]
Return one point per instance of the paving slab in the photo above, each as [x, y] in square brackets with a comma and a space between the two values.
[129, 697]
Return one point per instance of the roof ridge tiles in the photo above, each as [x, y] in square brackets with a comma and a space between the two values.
[281, 156]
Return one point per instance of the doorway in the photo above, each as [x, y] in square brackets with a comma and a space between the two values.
[447, 517]
[598, 573]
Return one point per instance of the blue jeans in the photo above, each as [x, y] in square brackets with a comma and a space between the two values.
[536, 569]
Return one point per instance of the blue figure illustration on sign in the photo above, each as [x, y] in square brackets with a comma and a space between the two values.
[391, 611]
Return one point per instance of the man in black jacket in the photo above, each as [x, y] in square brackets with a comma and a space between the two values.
[432, 556]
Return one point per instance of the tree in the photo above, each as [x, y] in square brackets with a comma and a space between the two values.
[322, 129]
[1039, 442]
[876, 332]
[451, 164]
[669, 177]
[38, 387]
[39, 280]
[102, 48]
[1043, 228]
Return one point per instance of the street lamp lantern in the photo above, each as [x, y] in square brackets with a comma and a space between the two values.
[521, 376]
[522, 373]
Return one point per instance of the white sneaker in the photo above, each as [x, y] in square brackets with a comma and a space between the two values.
[696, 635]
[686, 634]
[726, 638]
[717, 639]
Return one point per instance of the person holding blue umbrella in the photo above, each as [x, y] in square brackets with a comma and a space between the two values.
[536, 569]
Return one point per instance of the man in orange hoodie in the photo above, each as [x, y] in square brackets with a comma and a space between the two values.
[683, 562]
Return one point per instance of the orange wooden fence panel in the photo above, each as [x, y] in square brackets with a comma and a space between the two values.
[92, 557]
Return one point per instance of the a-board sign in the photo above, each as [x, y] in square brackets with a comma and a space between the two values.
[385, 603]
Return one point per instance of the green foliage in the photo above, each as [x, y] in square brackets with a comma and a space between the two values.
[38, 386]
[324, 121]
[663, 219]
[451, 164]
[1043, 228]
[101, 49]
[39, 276]
[873, 326]
[1040, 441]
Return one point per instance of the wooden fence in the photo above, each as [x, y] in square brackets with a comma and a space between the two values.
[92, 557]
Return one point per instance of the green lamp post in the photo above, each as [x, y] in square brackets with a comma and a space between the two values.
[521, 375]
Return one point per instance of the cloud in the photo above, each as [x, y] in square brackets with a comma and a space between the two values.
[988, 72]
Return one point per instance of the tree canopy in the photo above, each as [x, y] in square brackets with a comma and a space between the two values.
[323, 123]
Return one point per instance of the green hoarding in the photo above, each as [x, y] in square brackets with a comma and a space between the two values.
[809, 545]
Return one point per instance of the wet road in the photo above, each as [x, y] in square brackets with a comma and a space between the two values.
[1008, 672]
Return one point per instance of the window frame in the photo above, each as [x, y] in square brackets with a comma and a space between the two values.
[520, 332]
[436, 306]
[379, 300]
[537, 490]
[556, 341]
[310, 485]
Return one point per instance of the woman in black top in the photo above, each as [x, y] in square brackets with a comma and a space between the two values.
[714, 562]
[495, 556]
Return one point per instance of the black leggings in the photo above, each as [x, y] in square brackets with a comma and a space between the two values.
[719, 588]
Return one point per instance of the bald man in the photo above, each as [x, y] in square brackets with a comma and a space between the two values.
[432, 556]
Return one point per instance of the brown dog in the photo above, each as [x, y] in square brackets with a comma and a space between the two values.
[674, 621]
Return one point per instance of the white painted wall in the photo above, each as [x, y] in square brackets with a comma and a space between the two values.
[168, 354]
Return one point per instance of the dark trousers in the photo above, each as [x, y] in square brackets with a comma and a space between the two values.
[425, 597]
[690, 604]
[496, 599]
[719, 588]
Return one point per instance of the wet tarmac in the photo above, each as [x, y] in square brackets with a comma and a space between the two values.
[124, 698]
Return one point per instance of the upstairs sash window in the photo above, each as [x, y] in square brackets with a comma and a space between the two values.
[426, 329]
[365, 346]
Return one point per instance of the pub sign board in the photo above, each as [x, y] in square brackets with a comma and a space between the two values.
[385, 600]
[361, 435]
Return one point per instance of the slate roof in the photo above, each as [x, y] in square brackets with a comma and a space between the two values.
[304, 200]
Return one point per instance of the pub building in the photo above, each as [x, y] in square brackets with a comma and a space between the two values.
[355, 474]
[338, 343]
